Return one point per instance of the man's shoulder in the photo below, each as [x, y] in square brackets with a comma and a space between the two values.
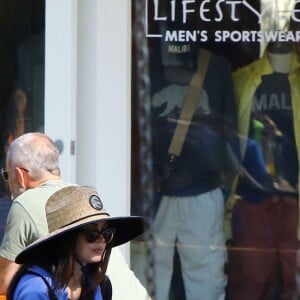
[43, 191]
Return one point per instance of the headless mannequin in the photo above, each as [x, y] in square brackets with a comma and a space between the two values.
[280, 57]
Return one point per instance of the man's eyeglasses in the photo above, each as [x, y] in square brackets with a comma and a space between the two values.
[91, 236]
[4, 173]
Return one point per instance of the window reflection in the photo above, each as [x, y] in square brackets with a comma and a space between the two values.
[22, 78]
[241, 146]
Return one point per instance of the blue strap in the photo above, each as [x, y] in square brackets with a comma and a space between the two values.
[51, 293]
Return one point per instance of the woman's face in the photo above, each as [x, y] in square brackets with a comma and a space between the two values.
[91, 242]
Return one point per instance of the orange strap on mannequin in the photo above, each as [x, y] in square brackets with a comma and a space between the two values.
[190, 103]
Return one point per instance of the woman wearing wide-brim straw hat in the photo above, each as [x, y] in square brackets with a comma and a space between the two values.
[70, 262]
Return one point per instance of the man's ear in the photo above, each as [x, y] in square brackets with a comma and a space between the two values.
[22, 177]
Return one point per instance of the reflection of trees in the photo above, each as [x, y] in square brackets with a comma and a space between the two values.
[19, 21]
[277, 14]
[20, 103]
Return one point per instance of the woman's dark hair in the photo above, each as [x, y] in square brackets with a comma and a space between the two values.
[58, 257]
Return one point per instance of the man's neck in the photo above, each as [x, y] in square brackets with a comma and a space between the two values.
[35, 183]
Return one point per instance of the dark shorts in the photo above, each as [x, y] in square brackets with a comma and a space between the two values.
[262, 254]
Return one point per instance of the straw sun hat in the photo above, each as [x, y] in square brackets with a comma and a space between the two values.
[74, 206]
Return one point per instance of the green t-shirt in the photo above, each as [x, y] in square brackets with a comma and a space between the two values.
[26, 220]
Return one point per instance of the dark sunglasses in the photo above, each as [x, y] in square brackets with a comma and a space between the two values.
[91, 236]
[4, 173]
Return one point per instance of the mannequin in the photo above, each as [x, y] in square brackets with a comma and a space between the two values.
[192, 190]
[267, 92]
[280, 57]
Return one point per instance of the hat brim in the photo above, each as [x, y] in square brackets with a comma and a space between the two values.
[127, 228]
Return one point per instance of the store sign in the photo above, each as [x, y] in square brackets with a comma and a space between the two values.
[181, 13]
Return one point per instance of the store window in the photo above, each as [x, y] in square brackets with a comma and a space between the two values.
[216, 147]
[22, 25]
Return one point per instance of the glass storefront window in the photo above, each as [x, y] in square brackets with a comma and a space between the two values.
[215, 147]
[22, 28]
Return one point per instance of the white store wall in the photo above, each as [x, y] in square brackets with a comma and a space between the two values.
[87, 94]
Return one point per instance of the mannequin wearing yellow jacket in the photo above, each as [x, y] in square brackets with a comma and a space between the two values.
[262, 261]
